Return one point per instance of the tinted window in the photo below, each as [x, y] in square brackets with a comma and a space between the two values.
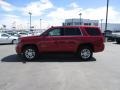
[4, 35]
[93, 31]
[72, 31]
[55, 32]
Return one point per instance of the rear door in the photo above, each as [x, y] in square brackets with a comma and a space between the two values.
[95, 37]
[70, 39]
[95, 33]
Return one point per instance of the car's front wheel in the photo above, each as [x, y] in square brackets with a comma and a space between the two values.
[30, 53]
[14, 41]
[85, 53]
[118, 41]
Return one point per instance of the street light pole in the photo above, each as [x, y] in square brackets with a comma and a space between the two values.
[80, 18]
[101, 23]
[30, 19]
[72, 21]
[40, 24]
[106, 16]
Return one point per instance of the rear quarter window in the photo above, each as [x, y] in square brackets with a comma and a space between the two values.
[93, 31]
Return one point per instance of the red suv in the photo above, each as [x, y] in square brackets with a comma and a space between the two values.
[82, 40]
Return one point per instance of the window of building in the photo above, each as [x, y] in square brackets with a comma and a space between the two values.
[95, 24]
[77, 23]
[69, 24]
[87, 24]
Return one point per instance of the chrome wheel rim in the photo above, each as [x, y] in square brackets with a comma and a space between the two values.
[30, 53]
[85, 53]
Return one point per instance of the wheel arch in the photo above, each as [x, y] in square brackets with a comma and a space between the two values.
[86, 45]
[13, 41]
[29, 45]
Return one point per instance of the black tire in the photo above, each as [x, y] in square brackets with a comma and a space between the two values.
[118, 41]
[30, 53]
[14, 41]
[85, 53]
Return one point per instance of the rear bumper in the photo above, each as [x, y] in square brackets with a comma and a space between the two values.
[99, 48]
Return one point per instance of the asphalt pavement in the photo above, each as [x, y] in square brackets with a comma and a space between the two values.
[60, 72]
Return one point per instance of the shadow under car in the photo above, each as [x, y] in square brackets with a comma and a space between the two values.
[46, 58]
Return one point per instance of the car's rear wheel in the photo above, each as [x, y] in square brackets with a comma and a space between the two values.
[85, 53]
[30, 53]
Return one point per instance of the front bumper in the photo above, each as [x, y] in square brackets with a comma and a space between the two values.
[18, 48]
[99, 48]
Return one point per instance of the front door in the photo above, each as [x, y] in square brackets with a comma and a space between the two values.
[49, 42]
[4, 38]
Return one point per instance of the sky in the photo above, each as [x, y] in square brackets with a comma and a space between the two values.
[14, 13]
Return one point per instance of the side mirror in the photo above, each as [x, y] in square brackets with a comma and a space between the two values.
[45, 34]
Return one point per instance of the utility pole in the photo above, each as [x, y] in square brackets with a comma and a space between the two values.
[30, 19]
[106, 16]
[80, 18]
[72, 21]
[40, 24]
[101, 23]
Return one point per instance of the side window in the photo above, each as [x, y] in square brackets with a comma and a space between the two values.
[55, 32]
[4, 35]
[93, 31]
[72, 31]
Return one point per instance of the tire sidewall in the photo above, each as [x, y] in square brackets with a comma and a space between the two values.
[14, 41]
[87, 48]
[34, 49]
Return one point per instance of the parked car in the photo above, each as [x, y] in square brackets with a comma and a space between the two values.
[24, 34]
[114, 37]
[80, 40]
[6, 38]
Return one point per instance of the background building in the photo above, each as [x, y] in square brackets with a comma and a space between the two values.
[114, 27]
[72, 22]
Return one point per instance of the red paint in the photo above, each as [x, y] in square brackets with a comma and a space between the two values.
[46, 43]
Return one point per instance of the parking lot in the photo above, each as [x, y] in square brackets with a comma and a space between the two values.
[60, 73]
